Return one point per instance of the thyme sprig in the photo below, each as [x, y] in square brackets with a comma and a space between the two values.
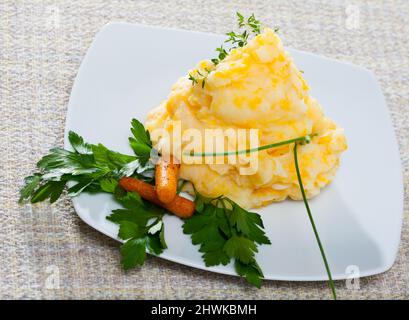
[251, 22]
[194, 79]
[237, 40]
[222, 54]
[201, 77]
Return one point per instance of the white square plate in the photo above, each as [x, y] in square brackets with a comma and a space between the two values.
[129, 69]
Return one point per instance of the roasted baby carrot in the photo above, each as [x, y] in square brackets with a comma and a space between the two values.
[182, 207]
[166, 179]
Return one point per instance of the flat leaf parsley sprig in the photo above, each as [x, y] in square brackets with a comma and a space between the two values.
[140, 226]
[225, 231]
[91, 167]
[94, 168]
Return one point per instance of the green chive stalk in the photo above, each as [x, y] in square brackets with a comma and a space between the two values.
[314, 228]
[304, 139]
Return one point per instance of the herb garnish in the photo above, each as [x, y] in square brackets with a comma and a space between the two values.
[201, 77]
[94, 168]
[251, 22]
[225, 231]
[314, 228]
[140, 226]
[222, 54]
[303, 140]
[236, 40]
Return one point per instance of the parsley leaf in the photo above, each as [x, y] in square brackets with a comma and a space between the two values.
[63, 162]
[31, 183]
[108, 184]
[93, 168]
[52, 190]
[134, 228]
[135, 168]
[141, 141]
[129, 230]
[84, 183]
[154, 243]
[241, 248]
[141, 135]
[252, 272]
[248, 223]
[162, 237]
[77, 142]
[133, 253]
[135, 210]
[110, 160]
[225, 231]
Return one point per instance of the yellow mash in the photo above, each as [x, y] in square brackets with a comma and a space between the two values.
[256, 86]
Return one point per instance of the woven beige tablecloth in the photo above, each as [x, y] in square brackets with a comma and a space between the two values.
[46, 251]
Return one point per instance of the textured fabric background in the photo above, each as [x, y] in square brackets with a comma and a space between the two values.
[42, 44]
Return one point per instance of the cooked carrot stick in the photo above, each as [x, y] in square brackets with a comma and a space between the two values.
[182, 207]
[166, 179]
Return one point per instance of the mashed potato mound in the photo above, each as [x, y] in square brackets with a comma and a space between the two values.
[256, 86]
